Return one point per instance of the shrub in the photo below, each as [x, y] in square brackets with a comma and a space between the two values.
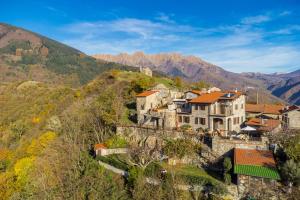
[116, 142]
[153, 170]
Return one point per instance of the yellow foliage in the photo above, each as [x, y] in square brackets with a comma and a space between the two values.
[36, 120]
[77, 94]
[39, 144]
[22, 168]
[7, 185]
[5, 154]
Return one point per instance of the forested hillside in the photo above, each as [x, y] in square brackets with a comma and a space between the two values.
[28, 56]
[47, 134]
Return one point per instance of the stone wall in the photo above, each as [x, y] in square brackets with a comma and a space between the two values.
[152, 137]
[250, 183]
[223, 146]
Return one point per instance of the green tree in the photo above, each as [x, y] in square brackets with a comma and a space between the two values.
[291, 172]
[178, 82]
[227, 167]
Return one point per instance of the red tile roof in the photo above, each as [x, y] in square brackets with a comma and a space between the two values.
[254, 157]
[100, 146]
[290, 108]
[264, 124]
[264, 108]
[146, 93]
[215, 96]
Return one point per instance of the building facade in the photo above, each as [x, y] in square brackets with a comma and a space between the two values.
[218, 110]
[291, 118]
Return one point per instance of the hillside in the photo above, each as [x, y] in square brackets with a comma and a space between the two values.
[285, 86]
[47, 133]
[25, 55]
[192, 68]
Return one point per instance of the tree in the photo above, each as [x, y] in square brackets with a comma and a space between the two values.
[200, 85]
[291, 172]
[142, 156]
[178, 82]
[292, 148]
[227, 167]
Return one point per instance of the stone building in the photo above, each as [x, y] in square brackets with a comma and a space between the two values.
[155, 107]
[218, 110]
[146, 70]
[254, 169]
[291, 117]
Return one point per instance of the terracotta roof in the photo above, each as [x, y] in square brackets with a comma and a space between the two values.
[290, 108]
[215, 96]
[264, 124]
[257, 163]
[146, 93]
[100, 146]
[264, 108]
[254, 157]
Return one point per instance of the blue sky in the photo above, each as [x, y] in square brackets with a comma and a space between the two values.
[238, 35]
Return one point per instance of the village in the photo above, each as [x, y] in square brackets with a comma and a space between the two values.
[221, 122]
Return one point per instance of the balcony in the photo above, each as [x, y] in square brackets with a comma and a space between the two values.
[219, 111]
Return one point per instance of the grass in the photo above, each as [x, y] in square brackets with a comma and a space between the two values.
[118, 161]
[195, 176]
[131, 76]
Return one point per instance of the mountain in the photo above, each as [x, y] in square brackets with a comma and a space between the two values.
[285, 86]
[192, 68]
[25, 55]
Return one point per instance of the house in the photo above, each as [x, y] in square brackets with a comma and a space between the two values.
[155, 107]
[291, 117]
[264, 110]
[218, 110]
[146, 70]
[265, 125]
[98, 148]
[254, 169]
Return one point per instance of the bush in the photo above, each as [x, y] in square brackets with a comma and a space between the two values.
[116, 142]
[227, 164]
[153, 170]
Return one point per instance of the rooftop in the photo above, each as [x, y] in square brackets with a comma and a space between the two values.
[215, 96]
[146, 93]
[253, 162]
[264, 124]
[264, 108]
[100, 146]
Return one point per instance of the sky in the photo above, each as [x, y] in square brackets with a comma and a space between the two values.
[238, 35]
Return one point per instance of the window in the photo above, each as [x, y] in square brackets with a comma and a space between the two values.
[242, 119]
[196, 107]
[202, 121]
[236, 120]
[236, 106]
[202, 107]
[186, 119]
[180, 119]
[196, 120]
[142, 107]
[242, 106]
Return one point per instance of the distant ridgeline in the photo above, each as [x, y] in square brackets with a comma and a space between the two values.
[20, 50]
